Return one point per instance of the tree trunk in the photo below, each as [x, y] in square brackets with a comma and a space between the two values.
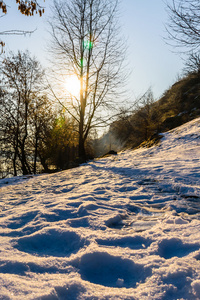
[14, 160]
[23, 161]
[81, 146]
[16, 151]
[25, 168]
[35, 156]
[14, 166]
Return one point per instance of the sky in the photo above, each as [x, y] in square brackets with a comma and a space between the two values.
[151, 60]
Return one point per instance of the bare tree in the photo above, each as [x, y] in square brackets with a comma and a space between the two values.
[21, 80]
[141, 125]
[192, 65]
[86, 42]
[184, 23]
[41, 120]
[144, 114]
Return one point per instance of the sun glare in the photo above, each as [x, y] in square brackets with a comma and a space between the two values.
[72, 85]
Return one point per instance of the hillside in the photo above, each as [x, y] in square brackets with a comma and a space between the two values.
[121, 227]
[178, 105]
[181, 102]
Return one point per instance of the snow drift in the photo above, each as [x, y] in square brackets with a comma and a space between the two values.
[121, 227]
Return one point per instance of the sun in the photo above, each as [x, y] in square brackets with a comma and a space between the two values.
[72, 85]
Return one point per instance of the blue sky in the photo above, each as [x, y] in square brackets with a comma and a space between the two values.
[151, 60]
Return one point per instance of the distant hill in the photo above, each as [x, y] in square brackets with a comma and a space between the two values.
[178, 105]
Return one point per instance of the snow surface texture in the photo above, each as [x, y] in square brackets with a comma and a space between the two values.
[121, 227]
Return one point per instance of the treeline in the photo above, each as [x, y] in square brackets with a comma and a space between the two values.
[35, 136]
[38, 136]
[178, 105]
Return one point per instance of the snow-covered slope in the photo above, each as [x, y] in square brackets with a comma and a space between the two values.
[122, 227]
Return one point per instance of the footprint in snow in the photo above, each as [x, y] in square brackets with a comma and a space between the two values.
[112, 271]
[51, 242]
[169, 248]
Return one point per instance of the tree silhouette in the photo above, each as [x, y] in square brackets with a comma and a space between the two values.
[25, 110]
[86, 42]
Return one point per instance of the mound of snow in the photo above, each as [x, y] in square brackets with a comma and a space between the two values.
[121, 227]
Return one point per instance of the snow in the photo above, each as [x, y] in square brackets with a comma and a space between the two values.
[121, 227]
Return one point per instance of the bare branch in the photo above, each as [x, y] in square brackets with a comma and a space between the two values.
[86, 42]
[184, 24]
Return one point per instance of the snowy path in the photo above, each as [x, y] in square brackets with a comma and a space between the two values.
[122, 227]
